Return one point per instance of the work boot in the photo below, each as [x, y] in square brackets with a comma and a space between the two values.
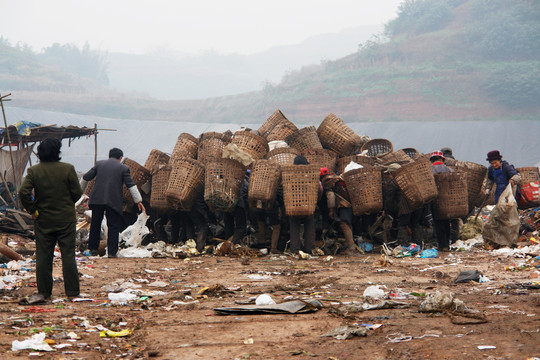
[276, 229]
[349, 241]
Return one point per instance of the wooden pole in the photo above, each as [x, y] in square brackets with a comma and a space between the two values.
[95, 143]
[9, 139]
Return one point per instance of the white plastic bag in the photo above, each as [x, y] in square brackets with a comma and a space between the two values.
[374, 292]
[36, 342]
[264, 299]
[352, 166]
[134, 234]
[502, 228]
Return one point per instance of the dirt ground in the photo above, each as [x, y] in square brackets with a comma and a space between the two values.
[182, 323]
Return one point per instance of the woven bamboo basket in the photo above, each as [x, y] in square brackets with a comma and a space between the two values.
[274, 120]
[186, 146]
[281, 131]
[411, 152]
[305, 138]
[398, 157]
[211, 146]
[90, 187]
[160, 182]
[186, 183]
[222, 183]
[452, 201]
[140, 176]
[338, 137]
[282, 156]
[300, 189]
[476, 174]
[528, 174]
[362, 160]
[263, 184]
[417, 182]
[377, 147]
[365, 189]
[250, 143]
[155, 160]
[321, 157]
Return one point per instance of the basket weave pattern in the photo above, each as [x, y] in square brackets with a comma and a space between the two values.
[223, 181]
[160, 182]
[263, 184]
[362, 160]
[274, 120]
[300, 189]
[282, 156]
[305, 138]
[417, 182]
[411, 152]
[365, 189]
[186, 182]
[281, 131]
[211, 146]
[378, 147]
[140, 176]
[336, 136]
[452, 201]
[250, 143]
[528, 174]
[155, 160]
[398, 157]
[321, 157]
[186, 146]
[476, 174]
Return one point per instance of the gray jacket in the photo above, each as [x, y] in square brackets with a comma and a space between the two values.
[110, 176]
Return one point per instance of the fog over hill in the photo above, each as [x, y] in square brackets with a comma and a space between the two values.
[168, 76]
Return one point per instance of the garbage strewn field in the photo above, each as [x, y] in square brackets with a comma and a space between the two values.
[370, 306]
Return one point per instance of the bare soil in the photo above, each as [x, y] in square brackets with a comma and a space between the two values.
[163, 330]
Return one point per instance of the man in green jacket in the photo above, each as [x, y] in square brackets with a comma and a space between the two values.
[56, 189]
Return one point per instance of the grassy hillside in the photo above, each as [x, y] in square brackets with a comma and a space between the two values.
[438, 60]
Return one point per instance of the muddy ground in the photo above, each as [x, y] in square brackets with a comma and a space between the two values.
[182, 323]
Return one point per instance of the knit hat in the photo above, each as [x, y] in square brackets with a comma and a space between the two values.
[494, 155]
[324, 171]
[436, 154]
[446, 151]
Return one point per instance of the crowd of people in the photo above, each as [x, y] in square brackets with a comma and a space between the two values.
[51, 188]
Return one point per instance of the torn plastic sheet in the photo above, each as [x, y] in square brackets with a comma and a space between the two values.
[346, 332]
[290, 307]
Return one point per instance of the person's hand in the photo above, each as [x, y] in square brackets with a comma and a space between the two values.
[141, 207]
[512, 182]
[487, 191]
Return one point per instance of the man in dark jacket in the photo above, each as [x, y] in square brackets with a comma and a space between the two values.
[106, 199]
[56, 189]
[442, 226]
[501, 173]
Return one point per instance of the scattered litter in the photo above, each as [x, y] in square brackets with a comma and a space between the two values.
[346, 332]
[36, 342]
[429, 253]
[486, 347]
[398, 337]
[291, 307]
[264, 299]
[113, 334]
[374, 292]
[468, 276]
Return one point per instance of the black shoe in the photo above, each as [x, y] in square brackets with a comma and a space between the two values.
[112, 256]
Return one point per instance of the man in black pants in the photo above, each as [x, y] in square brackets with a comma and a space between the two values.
[106, 199]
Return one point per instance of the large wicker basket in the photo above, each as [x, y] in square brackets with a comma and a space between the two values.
[398, 157]
[222, 183]
[365, 189]
[140, 176]
[250, 143]
[417, 182]
[160, 182]
[377, 147]
[211, 146]
[263, 185]
[300, 189]
[305, 138]
[528, 174]
[186, 146]
[321, 157]
[90, 187]
[336, 136]
[282, 156]
[186, 183]
[476, 174]
[362, 160]
[411, 152]
[274, 120]
[452, 201]
[155, 160]
[281, 131]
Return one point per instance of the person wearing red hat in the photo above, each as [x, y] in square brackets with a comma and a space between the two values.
[501, 173]
[442, 227]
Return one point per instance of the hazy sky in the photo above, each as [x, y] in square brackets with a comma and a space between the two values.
[140, 26]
